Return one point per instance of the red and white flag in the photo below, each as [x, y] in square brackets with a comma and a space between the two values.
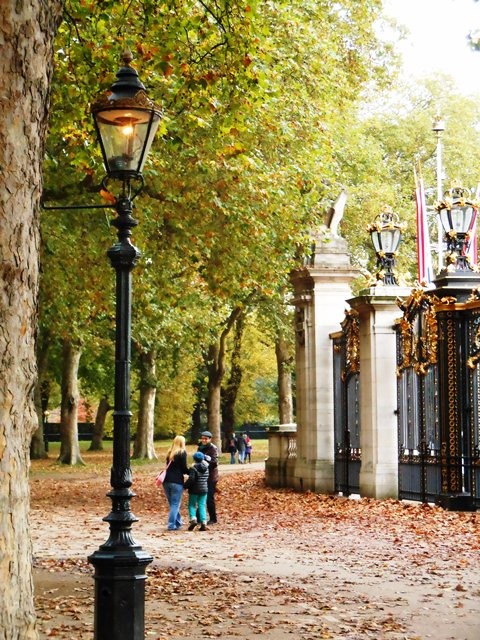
[472, 251]
[473, 248]
[424, 252]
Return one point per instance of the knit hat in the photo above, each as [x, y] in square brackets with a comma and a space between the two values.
[206, 433]
[198, 456]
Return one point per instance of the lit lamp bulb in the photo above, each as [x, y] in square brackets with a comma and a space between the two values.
[127, 130]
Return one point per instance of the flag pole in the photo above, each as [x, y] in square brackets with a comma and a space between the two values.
[438, 128]
[424, 256]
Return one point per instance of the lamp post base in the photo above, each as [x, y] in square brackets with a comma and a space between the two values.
[119, 592]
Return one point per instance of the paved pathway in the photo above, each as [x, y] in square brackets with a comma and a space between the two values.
[313, 581]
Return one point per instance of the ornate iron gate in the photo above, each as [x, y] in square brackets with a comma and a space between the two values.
[471, 441]
[346, 369]
[419, 442]
[438, 353]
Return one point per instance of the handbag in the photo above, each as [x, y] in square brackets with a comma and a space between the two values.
[159, 480]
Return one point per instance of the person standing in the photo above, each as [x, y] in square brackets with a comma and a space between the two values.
[197, 485]
[241, 446]
[248, 448]
[174, 478]
[210, 452]
[232, 448]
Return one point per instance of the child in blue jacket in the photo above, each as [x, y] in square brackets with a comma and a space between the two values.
[197, 485]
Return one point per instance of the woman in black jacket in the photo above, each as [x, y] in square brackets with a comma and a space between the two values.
[174, 478]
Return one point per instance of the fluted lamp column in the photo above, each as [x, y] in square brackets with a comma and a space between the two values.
[126, 121]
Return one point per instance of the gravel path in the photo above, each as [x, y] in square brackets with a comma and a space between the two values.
[281, 564]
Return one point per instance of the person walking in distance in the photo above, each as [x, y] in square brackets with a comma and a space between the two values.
[248, 448]
[232, 447]
[210, 452]
[241, 446]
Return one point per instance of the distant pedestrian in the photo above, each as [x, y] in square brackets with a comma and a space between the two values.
[197, 485]
[241, 446]
[174, 479]
[232, 448]
[248, 448]
[210, 452]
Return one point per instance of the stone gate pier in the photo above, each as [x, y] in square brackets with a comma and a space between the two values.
[321, 289]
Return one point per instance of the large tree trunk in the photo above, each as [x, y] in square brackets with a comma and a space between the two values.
[284, 361]
[26, 31]
[98, 428]
[144, 444]
[216, 370]
[230, 391]
[69, 445]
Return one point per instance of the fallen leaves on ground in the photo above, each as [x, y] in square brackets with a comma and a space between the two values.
[281, 564]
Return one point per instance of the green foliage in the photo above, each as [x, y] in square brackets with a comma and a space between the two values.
[175, 399]
[389, 136]
[257, 399]
[258, 100]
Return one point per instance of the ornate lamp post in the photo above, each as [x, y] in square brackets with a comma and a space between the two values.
[386, 233]
[457, 213]
[126, 121]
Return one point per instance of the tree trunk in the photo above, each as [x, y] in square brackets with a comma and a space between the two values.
[144, 446]
[215, 374]
[284, 360]
[216, 370]
[69, 445]
[230, 391]
[98, 428]
[196, 422]
[26, 31]
[38, 449]
[37, 445]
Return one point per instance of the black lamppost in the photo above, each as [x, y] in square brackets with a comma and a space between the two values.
[457, 213]
[386, 233]
[126, 121]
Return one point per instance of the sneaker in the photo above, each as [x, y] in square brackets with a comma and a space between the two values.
[212, 522]
[192, 525]
[203, 527]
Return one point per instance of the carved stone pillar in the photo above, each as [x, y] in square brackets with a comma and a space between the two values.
[321, 290]
[378, 390]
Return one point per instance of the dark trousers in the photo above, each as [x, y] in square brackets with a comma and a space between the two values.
[211, 508]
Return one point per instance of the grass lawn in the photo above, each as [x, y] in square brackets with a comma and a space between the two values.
[101, 461]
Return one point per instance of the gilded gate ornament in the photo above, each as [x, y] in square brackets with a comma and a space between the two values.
[351, 335]
[418, 329]
[474, 356]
